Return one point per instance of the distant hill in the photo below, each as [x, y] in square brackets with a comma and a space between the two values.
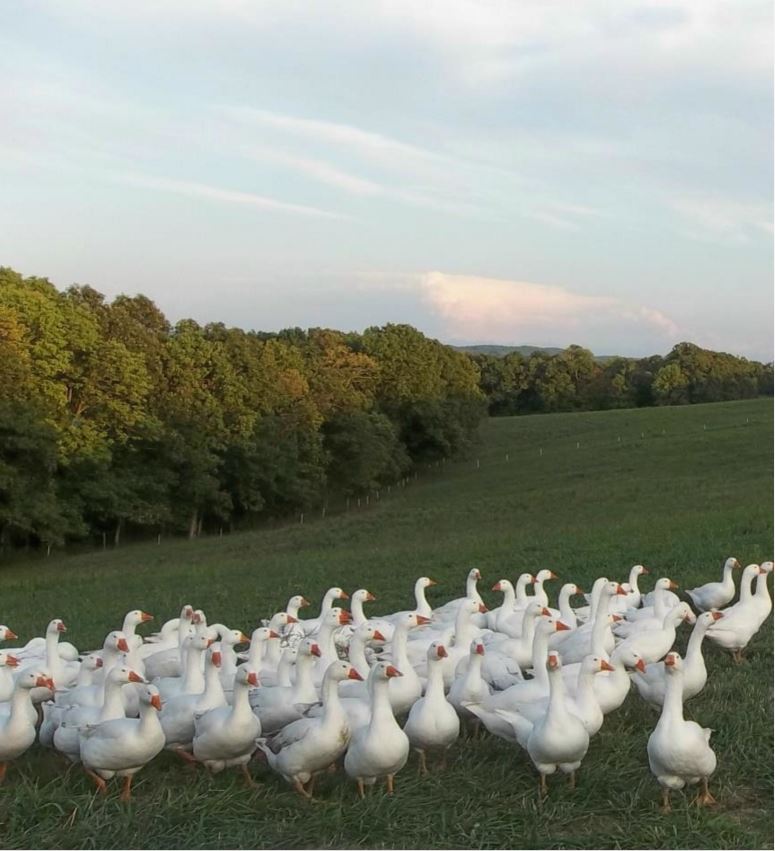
[502, 351]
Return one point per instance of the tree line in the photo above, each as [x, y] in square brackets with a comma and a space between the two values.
[574, 380]
[115, 421]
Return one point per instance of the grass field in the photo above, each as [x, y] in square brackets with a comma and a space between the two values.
[677, 489]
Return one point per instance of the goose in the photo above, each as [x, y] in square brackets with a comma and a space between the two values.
[587, 613]
[113, 653]
[716, 595]
[743, 620]
[470, 686]
[362, 635]
[7, 634]
[167, 662]
[61, 672]
[559, 739]
[122, 746]
[17, 731]
[679, 751]
[259, 639]
[509, 620]
[228, 639]
[381, 748]
[405, 690]
[539, 594]
[566, 613]
[649, 617]
[177, 714]
[225, 736]
[357, 600]
[505, 660]
[448, 611]
[313, 624]
[276, 706]
[169, 637]
[433, 722]
[7, 664]
[528, 690]
[631, 600]
[596, 637]
[652, 645]
[460, 641]
[670, 598]
[309, 745]
[132, 620]
[193, 679]
[330, 622]
[611, 687]
[422, 606]
[651, 682]
[66, 738]
[521, 600]
[35, 649]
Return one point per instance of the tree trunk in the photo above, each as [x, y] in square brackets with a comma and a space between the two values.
[193, 525]
[199, 527]
[117, 533]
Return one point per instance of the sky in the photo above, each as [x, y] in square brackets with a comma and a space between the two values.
[535, 172]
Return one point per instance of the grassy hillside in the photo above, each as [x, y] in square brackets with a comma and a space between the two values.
[677, 489]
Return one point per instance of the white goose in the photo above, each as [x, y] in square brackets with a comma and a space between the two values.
[521, 600]
[381, 748]
[193, 679]
[433, 723]
[652, 681]
[611, 687]
[631, 600]
[168, 638]
[716, 595]
[743, 620]
[276, 706]
[124, 745]
[310, 745]
[596, 637]
[670, 598]
[539, 594]
[470, 687]
[67, 736]
[113, 653]
[679, 751]
[7, 664]
[652, 645]
[226, 736]
[448, 611]
[62, 673]
[421, 605]
[312, 625]
[649, 617]
[17, 731]
[177, 714]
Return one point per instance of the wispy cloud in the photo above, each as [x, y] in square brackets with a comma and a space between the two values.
[724, 218]
[474, 308]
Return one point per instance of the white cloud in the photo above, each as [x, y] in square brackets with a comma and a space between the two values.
[725, 218]
[474, 308]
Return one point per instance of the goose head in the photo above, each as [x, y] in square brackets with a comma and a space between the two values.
[523, 580]
[230, 637]
[149, 696]
[544, 576]
[8, 660]
[368, 632]
[383, 671]
[116, 641]
[502, 585]
[472, 606]
[548, 625]
[436, 652]
[611, 589]
[732, 563]
[363, 596]
[6, 633]
[474, 574]
[629, 658]
[34, 679]
[187, 613]
[665, 584]
[263, 633]
[298, 602]
[766, 566]
[553, 662]
[56, 627]
[477, 647]
[340, 671]
[679, 613]
[335, 617]
[673, 664]
[246, 676]
[214, 656]
[280, 620]
[121, 674]
[707, 619]
[310, 647]
[135, 618]
[595, 664]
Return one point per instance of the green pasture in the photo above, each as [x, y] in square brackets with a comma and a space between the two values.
[677, 489]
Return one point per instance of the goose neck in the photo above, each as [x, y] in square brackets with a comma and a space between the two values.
[540, 650]
[20, 700]
[672, 709]
[421, 604]
[434, 690]
[381, 710]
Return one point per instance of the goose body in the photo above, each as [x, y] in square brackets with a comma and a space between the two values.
[17, 730]
[716, 595]
[652, 645]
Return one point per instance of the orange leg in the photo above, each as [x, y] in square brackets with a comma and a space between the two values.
[3, 770]
[102, 786]
[248, 777]
[390, 784]
[126, 789]
[361, 789]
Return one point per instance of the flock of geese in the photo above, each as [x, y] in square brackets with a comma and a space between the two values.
[312, 694]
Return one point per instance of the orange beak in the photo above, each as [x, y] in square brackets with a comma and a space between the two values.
[122, 645]
[673, 585]
[253, 679]
[644, 570]
[209, 642]
[496, 587]
[477, 574]
[99, 663]
[188, 613]
[156, 702]
[533, 580]
[291, 619]
[482, 608]
[640, 665]
[197, 618]
[620, 591]
[578, 590]
[441, 652]
[480, 649]
[352, 674]
[553, 575]
[144, 616]
[670, 661]
[243, 638]
[11, 661]
[273, 634]
[344, 596]
[617, 618]
[216, 659]
[762, 570]
[432, 582]
[546, 612]
[345, 617]
[393, 672]
[717, 615]
[378, 636]
[134, 677]
[304, 603]
[370, 598]
[552, 662]
[605, 666]
[421, 619]
[560, 626]
[61, 627]
[315, 650]
[10, 634]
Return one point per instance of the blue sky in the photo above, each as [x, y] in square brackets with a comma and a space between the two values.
[503, 171]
